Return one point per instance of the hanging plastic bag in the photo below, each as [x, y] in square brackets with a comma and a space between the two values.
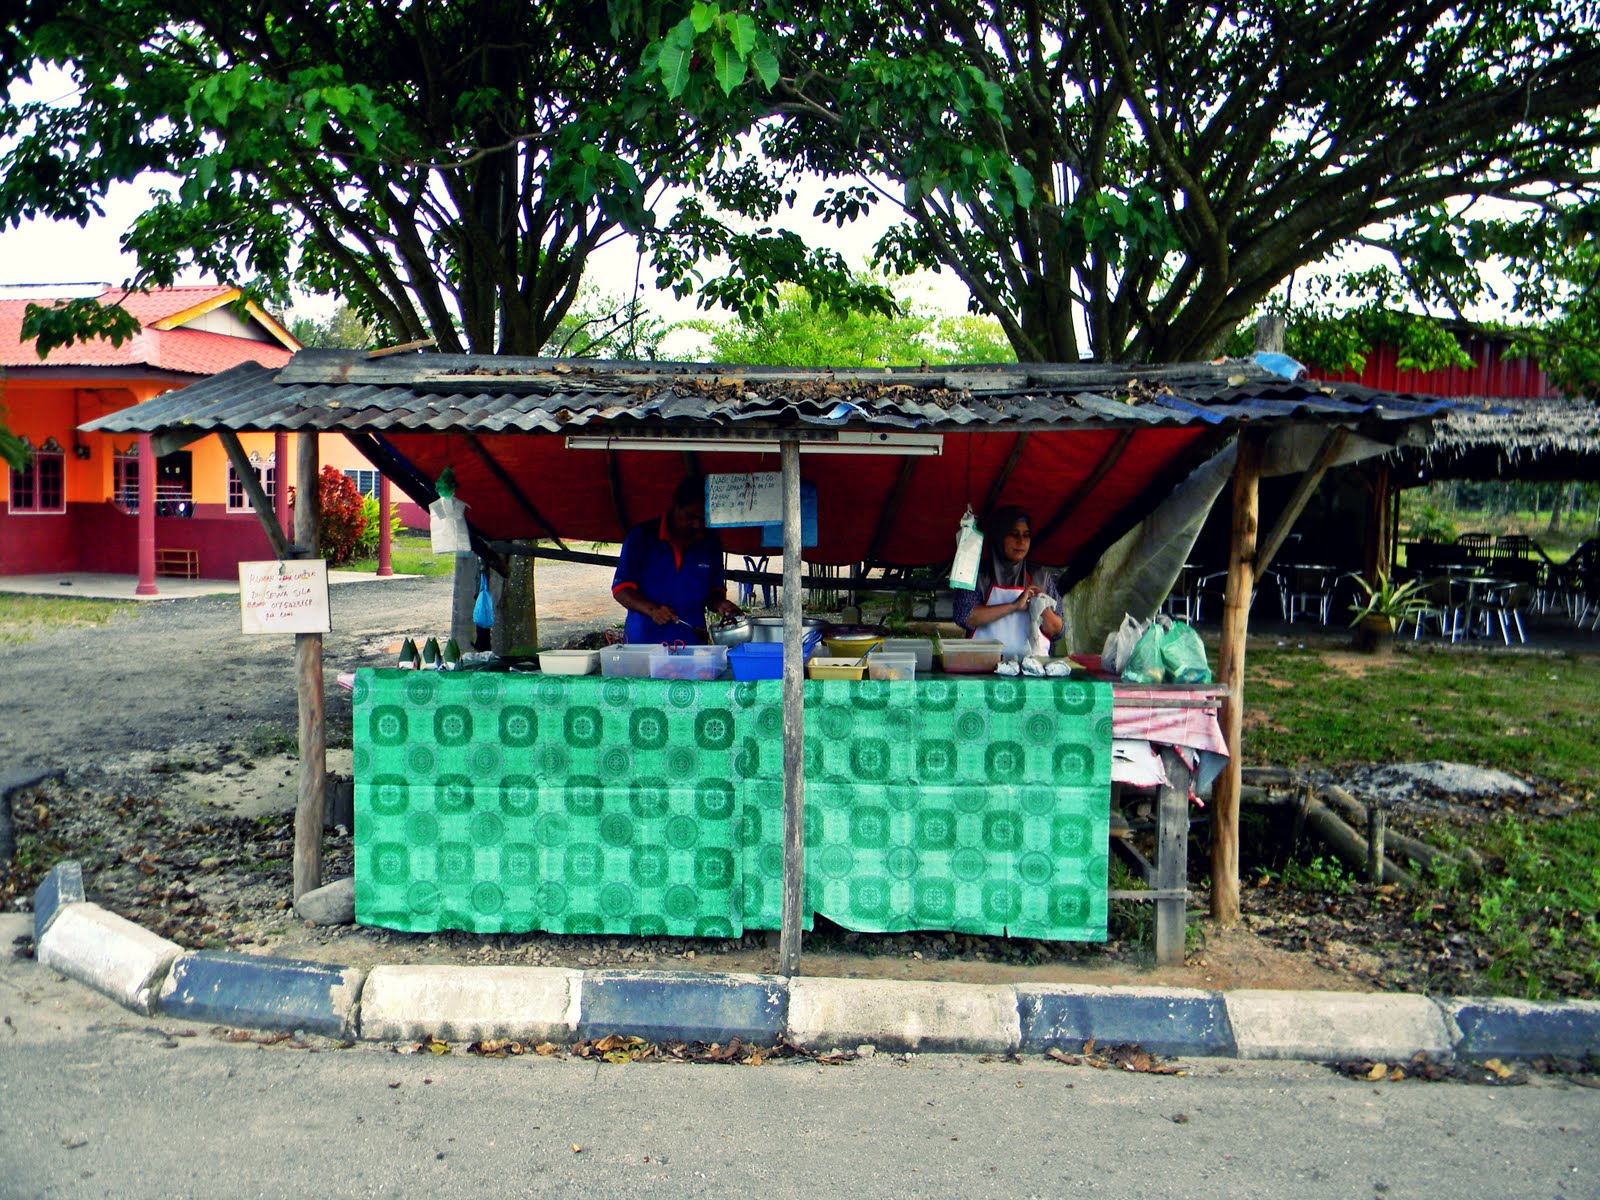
[447, 518]
[969, 552]
[483, 607]
[1144, 664]
[1184, 655]
[1120, 643]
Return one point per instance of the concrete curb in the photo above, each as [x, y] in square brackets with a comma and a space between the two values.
[404, 1003]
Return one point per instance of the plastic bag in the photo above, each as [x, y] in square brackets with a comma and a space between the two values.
[1120, 643]
[1144, 664]
[483, 607]
[969, 552]
[1184, 655]
[447, 526]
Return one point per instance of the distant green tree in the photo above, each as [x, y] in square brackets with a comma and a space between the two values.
[604, 325]
[343, 330]
[801, 331]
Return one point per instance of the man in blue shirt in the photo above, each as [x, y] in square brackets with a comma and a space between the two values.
[670, 571]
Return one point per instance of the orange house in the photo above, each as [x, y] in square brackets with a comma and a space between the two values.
[75, 507]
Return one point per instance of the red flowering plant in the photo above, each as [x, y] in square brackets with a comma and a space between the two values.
[342, 521]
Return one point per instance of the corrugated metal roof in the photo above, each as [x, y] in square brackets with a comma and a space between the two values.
[345, 390]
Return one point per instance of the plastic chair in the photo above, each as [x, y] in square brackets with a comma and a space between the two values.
[747, 590]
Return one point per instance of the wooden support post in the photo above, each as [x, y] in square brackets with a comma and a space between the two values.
[794, 825]
[1375, 822]
[1172, 859]
[146, 544]
[308, 813]
[1230, 668]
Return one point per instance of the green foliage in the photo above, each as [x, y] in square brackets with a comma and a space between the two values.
[1149, 175]
[366, 544]
[803, 331]
[1385, 598]
[343, 330]
[342, 519]
[604, 325]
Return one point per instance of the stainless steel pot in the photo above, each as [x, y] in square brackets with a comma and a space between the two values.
[770, 629]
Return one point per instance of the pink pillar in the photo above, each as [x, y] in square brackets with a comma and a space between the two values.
[280, 466]
[147, 519]
[383, 526]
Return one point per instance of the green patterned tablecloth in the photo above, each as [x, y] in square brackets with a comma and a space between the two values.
[506, 803]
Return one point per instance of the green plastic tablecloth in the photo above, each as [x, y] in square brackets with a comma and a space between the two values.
[503, 803]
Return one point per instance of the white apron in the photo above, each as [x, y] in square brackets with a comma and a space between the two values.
[1014, 630]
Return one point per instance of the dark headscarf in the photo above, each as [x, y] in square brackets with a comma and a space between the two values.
[1006, 573]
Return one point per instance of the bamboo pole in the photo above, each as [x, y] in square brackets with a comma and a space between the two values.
[1230, 669]
[794, 846]
[308, 813]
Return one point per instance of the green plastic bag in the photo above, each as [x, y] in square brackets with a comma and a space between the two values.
[1184, 655]
[1145, 664]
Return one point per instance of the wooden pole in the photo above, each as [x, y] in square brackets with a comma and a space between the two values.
[1172, 859]
[147, 519]
[1230, 669]
[308, 813]
[794, 844]
[1375, 823]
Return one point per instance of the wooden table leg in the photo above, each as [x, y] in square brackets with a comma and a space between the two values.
[1172, 858]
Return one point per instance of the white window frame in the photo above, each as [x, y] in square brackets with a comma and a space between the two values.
[266, 472]
[360, 476]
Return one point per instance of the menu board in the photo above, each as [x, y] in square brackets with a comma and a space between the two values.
[287, 596]
[748, 499]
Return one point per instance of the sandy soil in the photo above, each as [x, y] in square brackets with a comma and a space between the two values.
[169, 736]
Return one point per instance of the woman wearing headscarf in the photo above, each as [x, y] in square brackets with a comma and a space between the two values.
[1008, 584]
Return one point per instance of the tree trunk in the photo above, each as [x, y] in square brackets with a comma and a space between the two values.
[1556, 505]
[516, 617]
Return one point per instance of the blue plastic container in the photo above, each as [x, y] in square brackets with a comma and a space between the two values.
[764, 660]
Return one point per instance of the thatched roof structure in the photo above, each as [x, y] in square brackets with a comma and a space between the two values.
[1538, 439]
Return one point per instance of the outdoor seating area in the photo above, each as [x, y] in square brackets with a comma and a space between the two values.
[1486, 586]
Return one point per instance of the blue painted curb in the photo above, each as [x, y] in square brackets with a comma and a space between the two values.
[265, 993]
[1524, 1029]
[1190, 1023]
[678, 1006]
[62, 886]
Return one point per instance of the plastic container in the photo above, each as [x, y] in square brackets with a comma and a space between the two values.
[698, 663]
[920, 646]
[629, 662]
[762, 660]
[569, 662]
[892, 668]
[836, 668]
[971, 656]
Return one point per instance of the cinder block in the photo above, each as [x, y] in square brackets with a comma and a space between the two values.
[470, 1003]
[1323, 1025]
[974, 1018]
[683, 1006]
[110, 954]
[1162, 1020]
[62, 886]
[261, 993]
[1506, 1028]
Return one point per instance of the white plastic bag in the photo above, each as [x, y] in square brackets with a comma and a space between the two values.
[1120, 643]
[969, 552]
[447, 526]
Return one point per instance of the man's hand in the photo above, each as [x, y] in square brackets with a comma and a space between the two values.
[661, 614]
[728, 610]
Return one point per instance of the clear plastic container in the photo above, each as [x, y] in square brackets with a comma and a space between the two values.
[893, 668]
[920, 646]
[970, 656]
[569, 662]
[629, 662]
[699, 663]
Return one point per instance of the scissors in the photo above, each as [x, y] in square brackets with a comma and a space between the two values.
[675, 647]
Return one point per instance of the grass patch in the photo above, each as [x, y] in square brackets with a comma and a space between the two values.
[23, 617]
[410, 553]
[1533, 913]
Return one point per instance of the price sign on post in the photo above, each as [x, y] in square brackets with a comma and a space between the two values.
[284, 597]
[750, 499]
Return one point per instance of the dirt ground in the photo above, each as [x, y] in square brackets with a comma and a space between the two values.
[167, 739]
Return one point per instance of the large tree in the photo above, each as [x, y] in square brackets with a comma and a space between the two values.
[446, 166]
[1130, 180]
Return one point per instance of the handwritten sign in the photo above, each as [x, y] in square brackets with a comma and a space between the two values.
[284, 597]
[752, 499]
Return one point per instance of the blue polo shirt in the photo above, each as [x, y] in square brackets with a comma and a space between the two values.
[688, 583]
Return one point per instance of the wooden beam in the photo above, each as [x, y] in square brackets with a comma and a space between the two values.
[510, 484]
[794, 728]
[1230, 669]
[265, 512]
[891, 509]
[309, 808]
[1081, 492]
[1003, 478]
[614, 473]
[1303, 491]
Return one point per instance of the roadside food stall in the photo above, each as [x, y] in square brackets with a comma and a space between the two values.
[504, 802]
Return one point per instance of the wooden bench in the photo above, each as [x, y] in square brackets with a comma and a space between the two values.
[182, 563]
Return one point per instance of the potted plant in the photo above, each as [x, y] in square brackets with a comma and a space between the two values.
[1382, 607]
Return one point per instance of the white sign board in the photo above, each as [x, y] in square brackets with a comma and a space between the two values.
[284, 597]
[753, 499]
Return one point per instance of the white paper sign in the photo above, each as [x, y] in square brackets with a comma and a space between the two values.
[284, 597]
[754, 499]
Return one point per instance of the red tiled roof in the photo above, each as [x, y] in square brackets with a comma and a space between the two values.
[188, 351]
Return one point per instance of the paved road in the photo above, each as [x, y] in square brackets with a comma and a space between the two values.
[96, 1101]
